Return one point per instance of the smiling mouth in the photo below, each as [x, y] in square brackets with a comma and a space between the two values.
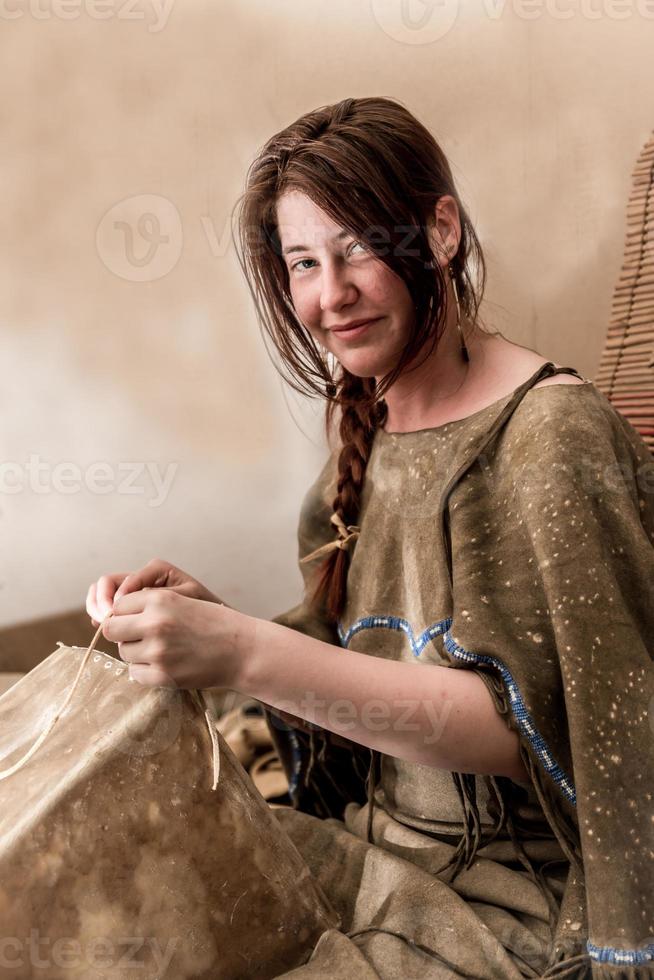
[355, 331]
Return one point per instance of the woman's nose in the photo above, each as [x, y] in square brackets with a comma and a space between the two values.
[336, 289]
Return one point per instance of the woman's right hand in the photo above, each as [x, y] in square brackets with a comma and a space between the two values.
[157, 574]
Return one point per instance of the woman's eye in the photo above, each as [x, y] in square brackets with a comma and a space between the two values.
[296, 265]
[301, 264]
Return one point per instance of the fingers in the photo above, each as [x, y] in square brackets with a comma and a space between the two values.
[159, 601]
[99, 599]
[150, 676]
[153, 575]
[106, 589]
[103, 593]
[123, 629]
[128, 624]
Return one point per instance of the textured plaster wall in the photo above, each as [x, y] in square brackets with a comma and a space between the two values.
[131, 342]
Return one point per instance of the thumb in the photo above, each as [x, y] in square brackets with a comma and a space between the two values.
[131, 583]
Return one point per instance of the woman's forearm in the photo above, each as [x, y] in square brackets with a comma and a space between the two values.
[422, 713]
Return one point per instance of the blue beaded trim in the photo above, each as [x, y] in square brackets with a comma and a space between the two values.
[523, 718]
[621, 957]
[394, 623]
[294, 781]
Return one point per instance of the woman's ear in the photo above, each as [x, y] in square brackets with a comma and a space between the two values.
[444, 230]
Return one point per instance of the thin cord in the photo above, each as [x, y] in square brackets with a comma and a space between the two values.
[44, 734]
[205, 704]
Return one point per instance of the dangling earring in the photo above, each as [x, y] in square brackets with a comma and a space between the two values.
[464, 349]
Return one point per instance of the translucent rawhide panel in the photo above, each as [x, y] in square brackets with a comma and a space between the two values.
[117, 859]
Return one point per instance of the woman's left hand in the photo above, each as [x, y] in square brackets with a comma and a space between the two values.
[171, 640]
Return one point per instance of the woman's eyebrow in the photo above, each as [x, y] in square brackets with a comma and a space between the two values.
[305, 248]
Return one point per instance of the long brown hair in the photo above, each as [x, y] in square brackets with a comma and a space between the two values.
[373, 168]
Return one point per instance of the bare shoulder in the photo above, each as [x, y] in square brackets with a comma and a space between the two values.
[513, 363]
[559, 379]
[499, 367]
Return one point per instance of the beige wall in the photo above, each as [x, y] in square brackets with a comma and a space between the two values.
[541, 108]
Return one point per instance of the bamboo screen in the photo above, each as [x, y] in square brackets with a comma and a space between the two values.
[626, 371]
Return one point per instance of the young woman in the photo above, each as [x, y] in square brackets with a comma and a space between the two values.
[483, 509]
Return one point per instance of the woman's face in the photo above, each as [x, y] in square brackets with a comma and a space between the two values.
[334, 280]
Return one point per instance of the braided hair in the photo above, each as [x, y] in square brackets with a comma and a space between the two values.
[372, 167]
